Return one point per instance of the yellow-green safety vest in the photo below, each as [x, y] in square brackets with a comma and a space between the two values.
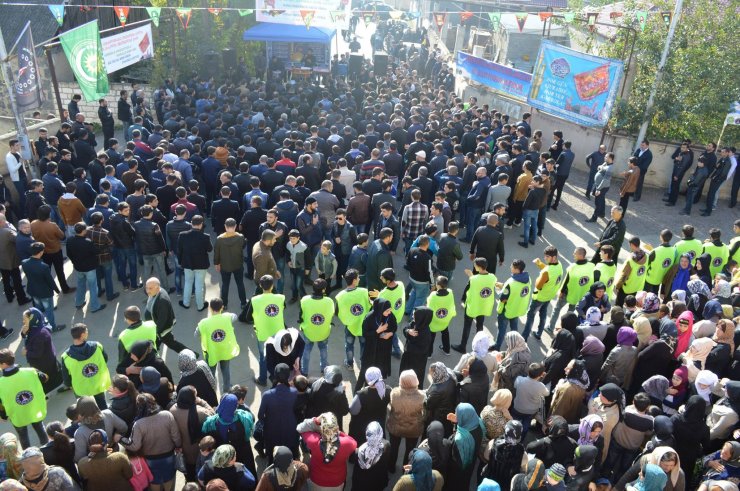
[480, 297]
[217, 338]
[90, 377]
[719, 254]
[268, 310]
[665, 256]
[23, 398]
[443, 308]
[607, 273]
[317, 315]
[397, 298]
[147, 331]
[550, 288]
[735, 257]
[580, 279]
[352, 307]
[635, 282]
[518, 302]
[692, 247]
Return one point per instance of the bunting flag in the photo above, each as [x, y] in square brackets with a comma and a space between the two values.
[521, 19]
[641, 16]
[615, 15]
[184, 16]
[58, 12]
[367, 18]
[122, 14]
[495, 18]
[215, 11]
[544, 15]
[154, 13]
[395, 14]
[275, 13]
[307, 16]
[569, 16]
[85, 55]
[465, 16]
[245, 12]
[591, 18]
[337, 15]
[667, 16]
[439, 20]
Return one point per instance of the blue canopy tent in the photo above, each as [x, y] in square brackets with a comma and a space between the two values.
[289, 43]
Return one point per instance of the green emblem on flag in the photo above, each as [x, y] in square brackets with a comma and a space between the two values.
[85, 55]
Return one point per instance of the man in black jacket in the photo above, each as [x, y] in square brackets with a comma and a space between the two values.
[717, 177]
[151, 246]
[193, 247]
[387, 219]
[41, 285]
[106, 120]
[488, 242]
[644, 159]
[612, 235]
[123, 234]
[124, 112]
[159, 309]
[81, 251]
[421, 276]
[222, 209]
[449, 251]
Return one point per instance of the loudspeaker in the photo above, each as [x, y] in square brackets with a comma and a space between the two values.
[229, 58]
[355, 64]
[380, 64]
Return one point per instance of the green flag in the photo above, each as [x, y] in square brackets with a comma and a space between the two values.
[495, 18]
[154, 14]
[85, 55]
[245, 12]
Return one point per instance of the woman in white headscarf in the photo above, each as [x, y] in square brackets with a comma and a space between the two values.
[514, 362]
[371, 471]
[482, 341]
[696, 357]
[286, 346]
[705, 383]
[369, 404]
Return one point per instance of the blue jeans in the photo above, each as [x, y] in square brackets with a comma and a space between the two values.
[530, 225]
[296, 282]
[123, 257]
[87, 280]
[471, 222]
[691, 193]
[349, 346]
[197, 278]
[56, 218]
[536, 307]
[361, 229]
[238, 279]
[262, 362]
[280, 263]
[418, 297]
[323, 354]
[225, 374]
[407, 244]
[524, 419]
[46, 305]
[504, 325]
[447, 274]
[179, 273]
[105, 272]
[155, 262]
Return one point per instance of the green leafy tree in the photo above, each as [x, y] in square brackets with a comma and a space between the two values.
[700, 79]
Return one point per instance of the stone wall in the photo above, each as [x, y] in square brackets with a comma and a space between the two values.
[90, 109]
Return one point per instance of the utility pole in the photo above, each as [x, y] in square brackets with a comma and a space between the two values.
[659, 73]
[20, 124]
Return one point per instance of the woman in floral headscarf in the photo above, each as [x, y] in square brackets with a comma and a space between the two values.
[650, 305]
[570, 393]
[506, 456]
[589, 432]
[196, 373]
[514, 361]
[369, 404]
[330, 450]
[441, 397]
[371, 471]
[495, 416]
[465, 444]
[224, 465]
[10, 455]
[698, 295]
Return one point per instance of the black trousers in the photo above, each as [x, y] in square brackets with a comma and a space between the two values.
[600, 204]
[445, 341]
[57, 260]
[467, 323]
[640, 182]
[713, 190]
[395, 446]
[13, 285]
[170, 341]
[624, 201]
[557, 190]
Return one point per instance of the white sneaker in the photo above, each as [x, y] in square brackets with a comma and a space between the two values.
[508, 226]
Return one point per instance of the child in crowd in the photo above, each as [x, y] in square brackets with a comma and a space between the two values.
[206, 447]
[296, 263]
[326, 263]
[358, 258]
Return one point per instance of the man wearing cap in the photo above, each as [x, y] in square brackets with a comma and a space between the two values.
[413, 169]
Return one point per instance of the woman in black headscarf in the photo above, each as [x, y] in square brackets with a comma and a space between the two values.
[39, 348]
[143, 354]
[702, 269]
[418, 338]
[377, 329]
[562, 350]
[441, 397]
[655, 359]
[505, 455]
[190, 412]
[437, 446]
[691, 433]
[592, 353]
[473, 388]
[557, 446]
[584, 465]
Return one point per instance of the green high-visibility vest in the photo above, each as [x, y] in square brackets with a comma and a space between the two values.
[317, 316]
[720, 254]
[90, 377]
[550, 289]
[580, 279]
[659, 266]
[518, 302]
[480, 297]
[692, 247]
[736, 256]
[352, 307]
[23, 398]
[268, 310]
[397, 298]
[636, 280]
[147, 331]
[607, 272]
[443, 308]
[217, 338]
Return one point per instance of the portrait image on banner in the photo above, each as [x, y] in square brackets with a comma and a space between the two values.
[499, 78]
[326, 12]
[27, 83]
[129, 47]
[575, 86]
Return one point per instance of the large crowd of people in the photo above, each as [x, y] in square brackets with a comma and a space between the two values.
[308, 192]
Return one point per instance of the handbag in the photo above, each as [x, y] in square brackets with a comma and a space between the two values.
[180, 462]
[259, 430]
[142, 475]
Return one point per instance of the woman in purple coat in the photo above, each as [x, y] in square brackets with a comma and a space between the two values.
[39, 349]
